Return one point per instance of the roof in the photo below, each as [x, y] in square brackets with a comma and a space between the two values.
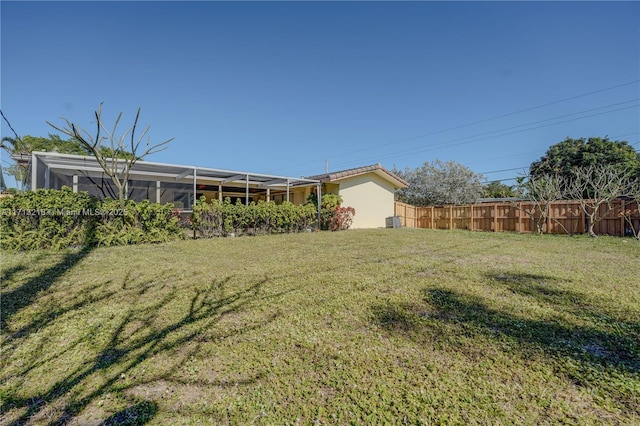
[374, 168]
[146, 170]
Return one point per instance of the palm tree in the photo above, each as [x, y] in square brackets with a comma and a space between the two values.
[15, 147]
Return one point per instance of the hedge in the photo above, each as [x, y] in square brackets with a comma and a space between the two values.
[222, 218]
[49, 218]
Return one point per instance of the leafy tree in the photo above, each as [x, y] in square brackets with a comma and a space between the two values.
[53, 143]
[3, 186]
[19, 173]
[438, 183]
[27, 144]
[14, 146]
[498, 189]
[115, 155]
[565, 157]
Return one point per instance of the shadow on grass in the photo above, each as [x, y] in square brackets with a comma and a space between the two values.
[603, 357]
[7, 274]
[543, 289]
[586, 344]
[19, 298]
[134, 415]
[126, 350]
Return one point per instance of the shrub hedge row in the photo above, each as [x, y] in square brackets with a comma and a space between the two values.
[222, 218]
[61, 218]
[57, 219]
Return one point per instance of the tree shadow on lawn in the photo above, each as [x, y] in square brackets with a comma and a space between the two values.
[588, 354]
[126, 350]
[136, 414]
[11, 302]
[543, 290]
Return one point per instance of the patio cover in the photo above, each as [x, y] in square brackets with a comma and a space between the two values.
[69, 165]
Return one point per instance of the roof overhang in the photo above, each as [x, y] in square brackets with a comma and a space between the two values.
[376, 169]
[146, 170]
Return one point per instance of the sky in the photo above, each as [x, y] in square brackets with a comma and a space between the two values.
[287, 88]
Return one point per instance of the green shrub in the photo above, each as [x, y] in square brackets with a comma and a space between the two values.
[221, 218]
[330, 201]
[208, 218]
[61, 218]
[140, 222]
[47, 218]
[333, 217]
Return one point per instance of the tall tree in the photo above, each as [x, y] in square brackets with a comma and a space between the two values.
[27, 144]
[565, 157]
[116, 154]
[13, 146]
[440, 182]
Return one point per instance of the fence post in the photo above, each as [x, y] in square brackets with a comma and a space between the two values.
[495, 217]
[471, 219]
[431, 217]
[622, 222]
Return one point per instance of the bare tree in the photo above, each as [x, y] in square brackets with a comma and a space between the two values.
[542, 191]
[596, 187]
[115, 155]
[633, 192]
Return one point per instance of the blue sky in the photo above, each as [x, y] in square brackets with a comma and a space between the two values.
[283, 87]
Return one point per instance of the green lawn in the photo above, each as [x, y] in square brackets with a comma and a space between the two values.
[360, 327]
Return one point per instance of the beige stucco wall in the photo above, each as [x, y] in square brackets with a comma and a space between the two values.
[330, 188]
[371, 196]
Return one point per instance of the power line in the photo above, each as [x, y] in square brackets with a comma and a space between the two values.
[505, 156]
[625, 134]
[9, 124]
[491, 118]
[447, 144]
[413, 150]
[528, 124]
[505, 170]
[533, 152]
[504, 180]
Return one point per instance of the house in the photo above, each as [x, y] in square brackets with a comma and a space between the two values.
[370, 190]
[164, 183]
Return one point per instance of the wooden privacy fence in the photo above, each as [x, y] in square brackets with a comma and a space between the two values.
[565, 217]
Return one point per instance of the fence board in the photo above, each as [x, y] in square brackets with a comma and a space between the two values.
[565, 217]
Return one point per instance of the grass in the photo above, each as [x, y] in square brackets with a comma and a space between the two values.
[389, 326]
